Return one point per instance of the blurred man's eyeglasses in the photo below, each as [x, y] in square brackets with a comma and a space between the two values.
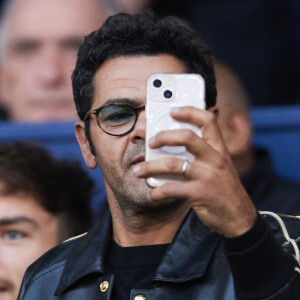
[117, 118]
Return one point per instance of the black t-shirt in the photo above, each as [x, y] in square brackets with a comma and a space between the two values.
[132, 267]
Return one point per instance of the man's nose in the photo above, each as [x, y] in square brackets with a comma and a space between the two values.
[51, 68]
[139, 130]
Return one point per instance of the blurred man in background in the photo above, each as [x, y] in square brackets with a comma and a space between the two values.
[39, 40]
[43, 201]
[266, 189]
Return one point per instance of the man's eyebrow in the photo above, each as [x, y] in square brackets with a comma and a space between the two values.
[72, 40]
[16, 220]
[132, 102]
[21, 42]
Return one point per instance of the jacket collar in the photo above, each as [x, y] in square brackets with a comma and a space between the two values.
[190, 252]
[187, 257]
[87, 256]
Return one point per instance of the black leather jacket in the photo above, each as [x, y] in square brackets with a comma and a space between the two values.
[194, 266]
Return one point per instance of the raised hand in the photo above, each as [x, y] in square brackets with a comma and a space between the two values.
[212, 186]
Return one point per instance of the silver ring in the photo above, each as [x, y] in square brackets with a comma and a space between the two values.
[184, 167]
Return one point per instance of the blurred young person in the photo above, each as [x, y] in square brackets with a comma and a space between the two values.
[39, 40]
[267, 190]
[43, 201]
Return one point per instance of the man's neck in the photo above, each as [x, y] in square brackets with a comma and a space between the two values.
[131, 229]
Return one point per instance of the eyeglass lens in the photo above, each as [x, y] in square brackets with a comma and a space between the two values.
[117, 119]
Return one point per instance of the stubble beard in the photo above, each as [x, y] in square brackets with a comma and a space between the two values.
[132, 194]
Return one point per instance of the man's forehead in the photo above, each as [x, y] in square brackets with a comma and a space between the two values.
[52, 16]
[22, 207]
[126, 76]
[136, 69]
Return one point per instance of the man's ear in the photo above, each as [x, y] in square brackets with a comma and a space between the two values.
[236, 129]
[84, 144]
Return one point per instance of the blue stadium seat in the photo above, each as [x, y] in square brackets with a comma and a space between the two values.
[278, 130]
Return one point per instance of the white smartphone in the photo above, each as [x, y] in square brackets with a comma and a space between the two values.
[165, 91]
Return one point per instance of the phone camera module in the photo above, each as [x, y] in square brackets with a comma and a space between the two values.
[157, 83]
[168, 94]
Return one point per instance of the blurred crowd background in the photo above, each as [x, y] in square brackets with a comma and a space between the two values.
[258, 39]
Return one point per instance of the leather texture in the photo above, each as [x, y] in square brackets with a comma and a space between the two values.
[194, 266]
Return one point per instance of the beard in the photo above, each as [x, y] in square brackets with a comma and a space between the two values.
[131, 193]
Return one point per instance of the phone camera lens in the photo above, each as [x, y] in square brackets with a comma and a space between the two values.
[157, 83]
[168, 94]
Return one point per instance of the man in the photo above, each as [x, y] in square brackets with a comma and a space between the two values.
[267, 190]
[183, 240]
[38, 47]
[43, 201]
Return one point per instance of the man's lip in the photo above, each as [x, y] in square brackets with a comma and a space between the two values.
[138, 159]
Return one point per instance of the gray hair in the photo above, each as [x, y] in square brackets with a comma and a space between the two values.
[6, 9]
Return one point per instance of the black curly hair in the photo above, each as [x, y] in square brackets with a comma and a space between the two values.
[140, 34]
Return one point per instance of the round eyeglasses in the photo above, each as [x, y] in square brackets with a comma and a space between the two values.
[117, 118]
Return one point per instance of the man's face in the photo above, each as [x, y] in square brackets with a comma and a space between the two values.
[26, 232]
[125, 78]
[41, 44]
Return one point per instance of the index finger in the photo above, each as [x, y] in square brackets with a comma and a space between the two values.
[206, 119]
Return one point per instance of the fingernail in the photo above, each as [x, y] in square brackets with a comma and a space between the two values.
[175, 110]
[136, 169]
